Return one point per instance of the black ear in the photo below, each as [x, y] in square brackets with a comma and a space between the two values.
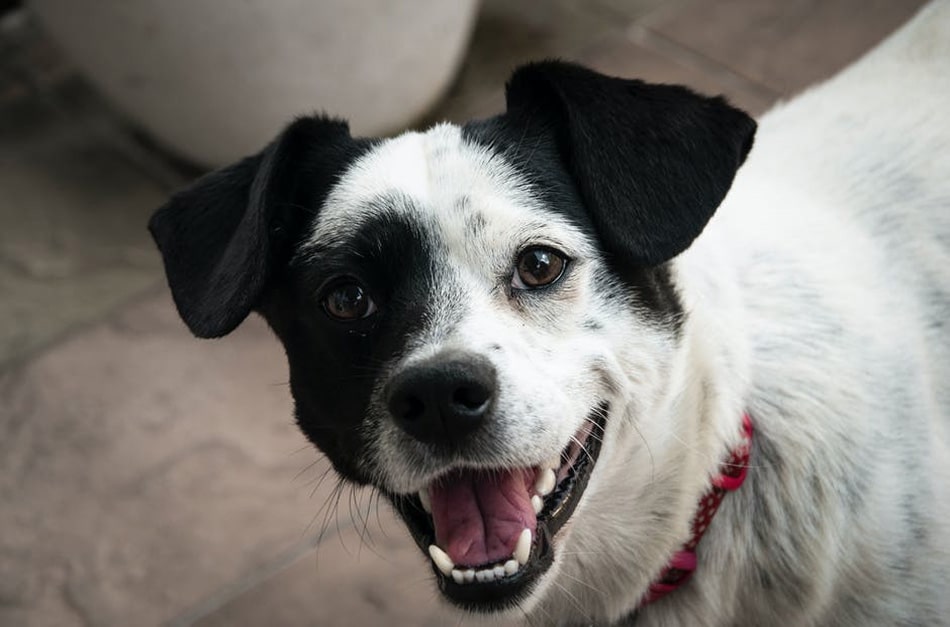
[651, 162]
[222, 238]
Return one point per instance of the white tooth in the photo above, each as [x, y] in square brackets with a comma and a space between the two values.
[522, 549]
[469, 575]
[537, 503]
[442, 561]
[511, 567]
[554, 463]
[424, 498]
[485, 575]
[545, 482]
[457, 575]
[499, 571]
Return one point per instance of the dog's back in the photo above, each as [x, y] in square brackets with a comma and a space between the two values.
[868, 153]
[873, 146]
[838, 231]
[857, 175]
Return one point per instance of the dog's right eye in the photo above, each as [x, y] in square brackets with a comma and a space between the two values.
[538, 266]
[347, 300]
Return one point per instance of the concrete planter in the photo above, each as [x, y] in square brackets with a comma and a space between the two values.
[214, 80]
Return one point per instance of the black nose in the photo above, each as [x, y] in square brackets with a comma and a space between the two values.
[443, 399]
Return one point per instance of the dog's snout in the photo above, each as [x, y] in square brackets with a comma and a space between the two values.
[443, 399]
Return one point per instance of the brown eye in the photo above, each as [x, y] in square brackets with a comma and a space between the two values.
[348, 301]
[538, 267]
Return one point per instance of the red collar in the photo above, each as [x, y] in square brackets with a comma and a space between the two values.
[683, 563]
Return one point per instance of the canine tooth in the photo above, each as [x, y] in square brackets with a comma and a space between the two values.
[457, 575]
[511, 567]
[499, 571]
[424, 499]
[442, 561]
[537, 503]
[523, 548]
[545, 482]
[469, 575]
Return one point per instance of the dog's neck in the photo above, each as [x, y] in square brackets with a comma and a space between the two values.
[731, 476]
[706, 278]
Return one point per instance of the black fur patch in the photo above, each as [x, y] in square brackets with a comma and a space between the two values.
[593, 324]
[651, 162]
[475, 224]
[335, 365]
[225, 238]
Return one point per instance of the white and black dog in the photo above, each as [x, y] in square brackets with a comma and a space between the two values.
[540, 335]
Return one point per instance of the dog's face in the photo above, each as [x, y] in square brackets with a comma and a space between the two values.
[476, 318]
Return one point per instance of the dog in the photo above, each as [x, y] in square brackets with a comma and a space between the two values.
[610, 363]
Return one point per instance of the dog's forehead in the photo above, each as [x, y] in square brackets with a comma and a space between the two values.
[464, 191]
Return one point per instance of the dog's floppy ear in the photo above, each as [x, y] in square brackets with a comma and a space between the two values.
[651, 162]
[222, 238]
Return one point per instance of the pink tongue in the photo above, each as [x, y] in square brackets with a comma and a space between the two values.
[478, 515]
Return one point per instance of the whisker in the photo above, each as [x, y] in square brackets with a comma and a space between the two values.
[574, 600]
[649, 452]
[334, 498]
[528, 618]
[584, 583]
[379, 522]
[366, 538]
[305, 447]
[305, 469]
[323, 477]
[710, 457]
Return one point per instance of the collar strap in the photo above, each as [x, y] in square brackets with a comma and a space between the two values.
[731, 475]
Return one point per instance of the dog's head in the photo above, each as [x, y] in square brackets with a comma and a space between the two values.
[472, 315]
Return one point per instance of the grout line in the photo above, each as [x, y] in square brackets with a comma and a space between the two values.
[229, 592]
[18, 360]
[663, 12]
[647, 37]
[650, 14]
[148, 162]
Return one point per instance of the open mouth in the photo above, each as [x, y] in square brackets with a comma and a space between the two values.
[489, 532]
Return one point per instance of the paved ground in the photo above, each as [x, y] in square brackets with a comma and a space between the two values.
[146, 477]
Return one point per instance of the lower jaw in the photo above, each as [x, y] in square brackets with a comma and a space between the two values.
[501, 595]
[508, 592]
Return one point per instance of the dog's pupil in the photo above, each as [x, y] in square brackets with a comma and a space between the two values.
[539, 267]
[347, 301]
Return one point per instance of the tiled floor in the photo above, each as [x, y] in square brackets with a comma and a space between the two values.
[147, 477]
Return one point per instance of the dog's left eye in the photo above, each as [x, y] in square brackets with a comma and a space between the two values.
[347, 300]
[538, 266]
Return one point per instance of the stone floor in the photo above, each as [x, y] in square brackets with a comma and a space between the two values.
[147, 477]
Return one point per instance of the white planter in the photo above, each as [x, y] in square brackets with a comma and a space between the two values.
[214, 80]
